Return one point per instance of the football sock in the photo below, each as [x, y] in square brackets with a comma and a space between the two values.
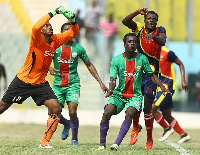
[160, 120]
[74, 128]
[63, 120]
[136, 119]
[123, 131]
[51, 127]
[149, 125]
[174, 124]
[104, 126]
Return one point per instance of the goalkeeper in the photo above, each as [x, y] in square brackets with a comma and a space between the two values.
[30, 79]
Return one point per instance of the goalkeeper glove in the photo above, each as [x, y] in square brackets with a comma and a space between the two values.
[70, 16]
[59, 10]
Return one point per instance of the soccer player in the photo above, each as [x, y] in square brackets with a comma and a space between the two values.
[30, 79]
[67, 82]
[150, 39]
[129, 67]
[165, 103]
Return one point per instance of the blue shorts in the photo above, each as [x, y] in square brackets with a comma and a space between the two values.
[164, 102]
[148, 87]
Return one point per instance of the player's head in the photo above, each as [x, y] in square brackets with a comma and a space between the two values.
[151, 19]
[47, 30]
[130, 42]
[65, 27]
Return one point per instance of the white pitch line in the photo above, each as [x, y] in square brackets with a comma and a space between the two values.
[178, 148]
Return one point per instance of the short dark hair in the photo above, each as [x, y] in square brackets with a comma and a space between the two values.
[63, 25]
[128, 34]
[151, 12]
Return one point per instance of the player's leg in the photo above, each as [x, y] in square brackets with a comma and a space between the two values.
[130, 112]
[4, 106]
[42, 94]
[74, 122]
[148, 118]
[52, 121]
[72, 99]
[175, 125]
[136, 127]
[14, 94]
[113, 107]
[162, 102]
[61, 96]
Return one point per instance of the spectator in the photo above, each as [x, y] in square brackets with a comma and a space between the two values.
[91, 22]
[109, 28]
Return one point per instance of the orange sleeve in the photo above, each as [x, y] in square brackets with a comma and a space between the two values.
[36, 30]
[62, 38]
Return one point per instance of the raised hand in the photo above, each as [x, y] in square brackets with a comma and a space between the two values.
[61, 10]
[70, 16]
[143, 11]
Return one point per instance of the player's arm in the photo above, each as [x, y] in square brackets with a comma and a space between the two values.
[182, 70]
[160, 39]
[127, 21]
[36, 30]
[112, 85]
[155, 80]
[52, 70]
[94, 73]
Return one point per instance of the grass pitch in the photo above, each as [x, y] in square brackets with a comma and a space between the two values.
[22, 139]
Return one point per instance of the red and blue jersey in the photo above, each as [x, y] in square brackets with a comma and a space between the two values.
[150, 49]
[167, 76]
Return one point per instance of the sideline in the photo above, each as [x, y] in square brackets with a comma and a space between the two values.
[178, 148]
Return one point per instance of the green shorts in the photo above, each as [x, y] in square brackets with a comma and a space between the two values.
[124, 103]
[68, 94]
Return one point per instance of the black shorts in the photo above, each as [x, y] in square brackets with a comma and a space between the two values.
[18, 91]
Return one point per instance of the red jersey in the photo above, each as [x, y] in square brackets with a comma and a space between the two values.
[150, 49]
[41, 53]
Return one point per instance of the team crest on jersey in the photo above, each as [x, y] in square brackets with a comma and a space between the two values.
[74, 55]
[138, 67]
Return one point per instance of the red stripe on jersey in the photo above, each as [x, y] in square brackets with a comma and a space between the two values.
[151, 48]
[64, 65]
[165, 65]
[129, 82]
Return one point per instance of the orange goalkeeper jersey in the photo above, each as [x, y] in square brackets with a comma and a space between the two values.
[41, 53]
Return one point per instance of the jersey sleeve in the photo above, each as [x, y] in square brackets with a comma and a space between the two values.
[139, 27]
[146, 66]
[171, 56]
[62, 38]
[84, 57]
[113, 69]
[36, 30]
[161, 30]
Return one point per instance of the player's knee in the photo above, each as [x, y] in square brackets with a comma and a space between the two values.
[130, 115]
[57, 109]
[72, 113]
